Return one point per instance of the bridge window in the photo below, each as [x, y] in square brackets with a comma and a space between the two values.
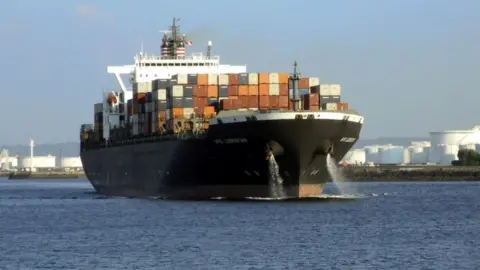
[147, 64]
[183, 64]
[201, 64]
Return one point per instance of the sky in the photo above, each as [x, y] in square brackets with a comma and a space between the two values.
[409, 66]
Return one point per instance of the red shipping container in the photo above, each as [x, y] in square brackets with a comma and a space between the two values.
[263, 102]
[245, 101]
[283, 102]
[304, 83]
[310, 100]
[200, 91]
[314, 108]
[274, 102]
[232, 90]
[342, 106]
[237, 104]
[198, 111]
[141, 97]
[233, 79]
[283, 88]
[315, 89]
[290, 105]
[226, 104]
[253, 102]
[200, 102]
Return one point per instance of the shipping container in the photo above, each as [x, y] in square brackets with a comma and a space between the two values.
[253, 90]
[200, 91]
[148, 97]
[212, 102]
[177, 91]
[274, 89]
[283, 89]
[177, 113]
[335, 89]
[325, 90]
[160, 84]
[283, 77]
[226, 104]
[237, 104]
[142, 87]
[310, 100]
[140, 98]
[264, 89]
[242, 79]
[315, 89]
[303, 83]
[274, 102]
[273, 77]
[244, 101]
[252, 102]
[98, 107]
[243, 90]
[263, 78]
[212, 79]
[283, 102]
[188, 102]
[329, 106]
[188, 113]
[253, 78]
[160, 94]
[232, 90]
[314, 108]
[329, 99]
[192, 79]
[212, 91]
[209, 111]
[223, 79]
[188, 91]
[160, 105]
[223, 91]
[200, 102]
[313, 81]
[233, 79]
[161, 116]
[182, 78]
[342, 106]
[177, 102]
[198, 111]
[263, 102]
[202, 79]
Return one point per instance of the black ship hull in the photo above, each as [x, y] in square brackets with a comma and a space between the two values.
[233, 159]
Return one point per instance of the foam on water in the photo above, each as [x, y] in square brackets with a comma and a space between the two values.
[276, 180]
[338, 178]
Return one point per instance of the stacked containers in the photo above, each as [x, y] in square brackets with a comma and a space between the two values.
[330, 97]
[254, 91]
[142, 95]
[305, 86]
[160, 88]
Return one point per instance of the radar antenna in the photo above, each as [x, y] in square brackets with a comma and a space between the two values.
[294, 78]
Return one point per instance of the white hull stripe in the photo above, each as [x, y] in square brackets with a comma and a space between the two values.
[290, 116]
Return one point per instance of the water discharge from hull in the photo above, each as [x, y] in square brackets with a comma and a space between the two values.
[338, 178]
[276, 180]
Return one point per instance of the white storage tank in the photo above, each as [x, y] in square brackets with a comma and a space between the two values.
[455, 137]
[391, 154]
[71, 163]
[372, 154]
[39, 162]
[418, 155]
[356, 156]
[447, 153]
[406, 159]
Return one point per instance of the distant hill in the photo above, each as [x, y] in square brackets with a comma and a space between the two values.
[71, 149]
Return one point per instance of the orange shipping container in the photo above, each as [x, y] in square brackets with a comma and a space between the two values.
[233, 79]
[274, 102]
[304, 83]
[263, 77]
[161, 115]
[202, 79]
[253, 90]
[200, 91]
[177, 112]
[243, 90]
[237, 104]
[212, 91]
[283, 89]
[140, 97]
[263, 102]
[232, 90]
[226, 104]
[264, 89]
[244, 101]
[283, 101]
[209, 111]
[283, 77]
[342, 106]
[200, 102]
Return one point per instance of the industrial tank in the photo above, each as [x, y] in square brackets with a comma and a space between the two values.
[371, 153]
[71, 162]
[418, 155]
[455, 137]
[357, 156]
[39, 162]
[406, 158]
[390, 154]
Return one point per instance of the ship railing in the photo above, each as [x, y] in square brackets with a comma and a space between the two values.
[193, 57]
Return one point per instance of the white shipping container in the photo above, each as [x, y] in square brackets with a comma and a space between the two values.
[253, 78]
[188, 112]
[273, 77]
[313, 81]
[177, 91]
[223, 79]
[325, 90]
[335, 89]
[274, 89]
[331, 106]
[160, 94]
[212, 79]
[142, 87]
[182, 78]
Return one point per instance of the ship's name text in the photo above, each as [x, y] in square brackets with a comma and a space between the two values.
[231, 140]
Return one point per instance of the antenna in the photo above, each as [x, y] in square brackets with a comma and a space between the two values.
[295, 78]
[209, 48]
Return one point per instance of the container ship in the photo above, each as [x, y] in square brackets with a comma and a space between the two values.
[192, 128]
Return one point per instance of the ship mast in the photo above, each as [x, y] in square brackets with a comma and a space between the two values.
[295, 77]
